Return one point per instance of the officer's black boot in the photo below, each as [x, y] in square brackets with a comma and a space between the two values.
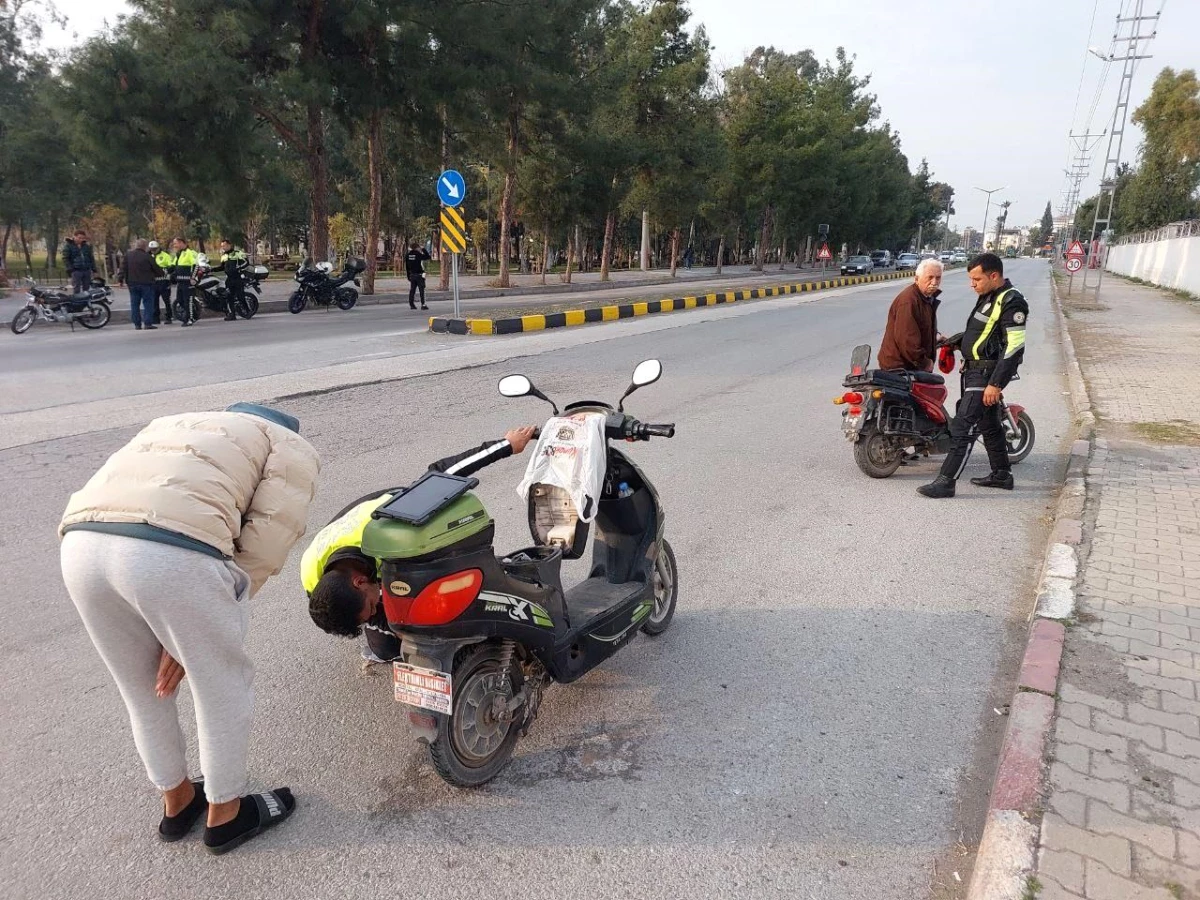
[997, 478]
[942, 486]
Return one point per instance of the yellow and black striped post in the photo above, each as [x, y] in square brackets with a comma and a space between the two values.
[454, 242]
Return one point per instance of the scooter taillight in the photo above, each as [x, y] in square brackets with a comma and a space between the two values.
[850, 397]
[440, 602]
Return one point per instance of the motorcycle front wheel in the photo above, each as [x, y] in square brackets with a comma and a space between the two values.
[97, 317]
[251, 307]
[22, 320]
[242, 308]
[1020, 443]
[346, 298]
[474, 743]
[298, 301]
[873, 454]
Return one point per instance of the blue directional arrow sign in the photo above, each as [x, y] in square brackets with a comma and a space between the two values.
[451, 188]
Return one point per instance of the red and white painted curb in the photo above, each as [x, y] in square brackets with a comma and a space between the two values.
[1010, 835]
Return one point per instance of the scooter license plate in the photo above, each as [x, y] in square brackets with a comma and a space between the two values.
[851, 425]
[425, 688]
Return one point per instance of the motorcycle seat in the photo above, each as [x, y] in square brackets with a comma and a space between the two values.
[927, 378]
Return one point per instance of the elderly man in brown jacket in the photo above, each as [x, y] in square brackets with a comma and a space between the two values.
[910, 339]
[161, 551]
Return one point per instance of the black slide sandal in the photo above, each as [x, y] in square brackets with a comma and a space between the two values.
[177, 827]
[270, 808]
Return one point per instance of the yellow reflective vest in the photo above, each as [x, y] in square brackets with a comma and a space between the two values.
[341, 538]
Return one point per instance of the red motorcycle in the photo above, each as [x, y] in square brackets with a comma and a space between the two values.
[891, 415]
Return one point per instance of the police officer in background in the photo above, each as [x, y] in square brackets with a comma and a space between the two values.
[162, 285]
[234, 263]
[993, 346]
[182, 264]
[414, 268]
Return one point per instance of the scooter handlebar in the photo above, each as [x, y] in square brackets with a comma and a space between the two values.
[646, 431]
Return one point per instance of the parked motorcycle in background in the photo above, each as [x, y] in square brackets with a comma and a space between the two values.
[55, 306]
[209, 291]
[319, 286]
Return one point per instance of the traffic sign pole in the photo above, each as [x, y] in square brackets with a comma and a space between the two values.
[454, 276]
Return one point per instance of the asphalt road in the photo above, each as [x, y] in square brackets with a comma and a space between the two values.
[819, 722]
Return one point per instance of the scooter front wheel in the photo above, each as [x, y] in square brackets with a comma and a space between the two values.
[475, 742]
[1020, 443]
[666, 592]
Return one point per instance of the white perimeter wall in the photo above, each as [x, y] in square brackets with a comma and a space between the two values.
[1173, 263]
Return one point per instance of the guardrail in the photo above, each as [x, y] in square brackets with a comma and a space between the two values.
[1188, 228]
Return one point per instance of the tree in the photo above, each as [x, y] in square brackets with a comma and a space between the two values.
[1164, 188]
[1045, 231]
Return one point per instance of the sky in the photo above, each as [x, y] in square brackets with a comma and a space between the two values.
[987, 91]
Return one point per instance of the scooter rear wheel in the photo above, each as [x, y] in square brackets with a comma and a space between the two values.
[474, 743]
[666, 592]
[874, 456]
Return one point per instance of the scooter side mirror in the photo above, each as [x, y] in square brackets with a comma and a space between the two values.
[515, 386]
[521, 386]
[647, 372]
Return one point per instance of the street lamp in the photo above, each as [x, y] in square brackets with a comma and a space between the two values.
[986, 209]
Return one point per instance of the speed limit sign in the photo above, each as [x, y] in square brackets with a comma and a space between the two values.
[1074, 263]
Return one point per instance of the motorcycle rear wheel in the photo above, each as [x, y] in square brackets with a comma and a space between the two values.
[1020, 445]
[22, 320]
[346, 298]
[666, 592]
[98, 316]
[251, 307]
[472, 744]
[298, 301]
[873, 456]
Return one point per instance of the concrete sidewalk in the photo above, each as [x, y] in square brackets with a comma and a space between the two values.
[1122, 810]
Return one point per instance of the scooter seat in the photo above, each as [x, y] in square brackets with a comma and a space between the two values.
[927, 378]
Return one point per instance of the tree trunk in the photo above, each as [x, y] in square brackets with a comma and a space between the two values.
[606, 249]
[645, 254]
[318, 174]
[4, 252]
[52, 236]
[444, 270]
[721, 254]
[25, 248]
[510, 186]
[572, 238]
[375, 201]
[545, 252]
[764, 240]
[782, 254]
[674, 250]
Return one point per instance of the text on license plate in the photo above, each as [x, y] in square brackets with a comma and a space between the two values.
[426, 688]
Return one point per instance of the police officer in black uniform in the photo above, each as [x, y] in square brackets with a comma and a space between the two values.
[234, 263]
[414, 267]
[992, 346]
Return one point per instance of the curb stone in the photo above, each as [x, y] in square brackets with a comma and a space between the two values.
[571, 317]
[1007, 850]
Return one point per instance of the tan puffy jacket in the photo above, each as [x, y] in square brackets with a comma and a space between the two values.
[234, 481]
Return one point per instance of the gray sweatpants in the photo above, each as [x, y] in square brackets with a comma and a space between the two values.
[136, 596]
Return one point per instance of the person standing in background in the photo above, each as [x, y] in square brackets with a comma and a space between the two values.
[140, 272]
[414, 267]
[79, 261]
[183, 263]
[162, 284]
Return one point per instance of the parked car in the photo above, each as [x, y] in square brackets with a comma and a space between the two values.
[958, 259]
[907, 261]
[858, 265]
[945, 256]
[882, 258]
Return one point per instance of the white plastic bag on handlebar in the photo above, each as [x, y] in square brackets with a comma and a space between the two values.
[570, 454]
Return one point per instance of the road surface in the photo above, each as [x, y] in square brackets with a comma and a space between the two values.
[819, 722]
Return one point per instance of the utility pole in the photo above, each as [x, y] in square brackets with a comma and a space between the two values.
[986, 210]
[1076, 175]
[1132, 38]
